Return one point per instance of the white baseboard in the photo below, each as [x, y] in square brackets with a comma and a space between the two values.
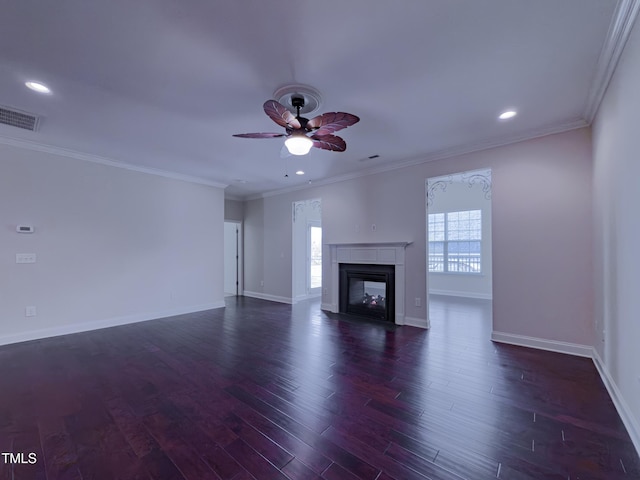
[455, 293]
[328, 307]
[416, 322]
[630, 422]
[309, 296]
[104, 323]
[266, 296]
[543, 344]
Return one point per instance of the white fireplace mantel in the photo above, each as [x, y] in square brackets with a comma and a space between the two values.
[384, 253]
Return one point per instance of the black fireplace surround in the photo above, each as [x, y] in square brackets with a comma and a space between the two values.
[368, 290]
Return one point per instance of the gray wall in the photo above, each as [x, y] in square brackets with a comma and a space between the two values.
[617, 235]
[253, 247]
[233, 210]
[541, 203]
[113, 246]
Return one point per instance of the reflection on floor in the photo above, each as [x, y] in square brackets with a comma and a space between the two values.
[458, 318]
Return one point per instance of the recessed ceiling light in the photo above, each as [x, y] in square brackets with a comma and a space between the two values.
[299, 172]
[507, 115]
[38, 87]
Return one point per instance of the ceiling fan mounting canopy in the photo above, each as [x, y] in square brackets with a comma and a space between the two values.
[311, 97]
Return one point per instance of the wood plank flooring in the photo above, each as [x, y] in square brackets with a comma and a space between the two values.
[261, 390]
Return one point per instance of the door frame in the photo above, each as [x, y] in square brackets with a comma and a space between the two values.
[239, 264]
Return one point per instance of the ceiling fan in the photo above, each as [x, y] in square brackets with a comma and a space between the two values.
[320, 128]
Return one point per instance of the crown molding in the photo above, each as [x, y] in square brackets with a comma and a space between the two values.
[64, 152]
[228, 196]
[617, 36]
[434, 156]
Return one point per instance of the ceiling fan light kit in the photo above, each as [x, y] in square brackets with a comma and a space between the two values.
[297, 128]
[298, 144]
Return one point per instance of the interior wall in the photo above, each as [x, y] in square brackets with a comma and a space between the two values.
[112, 245]
[461, 196]
[617, 235]
[233, 210]
[541, 206]
[253, 248]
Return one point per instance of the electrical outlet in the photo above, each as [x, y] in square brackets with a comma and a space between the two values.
[262, 283]
[373, 227]
[418, 302]
[29, 311]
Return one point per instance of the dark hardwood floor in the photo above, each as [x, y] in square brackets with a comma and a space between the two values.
[269, 391]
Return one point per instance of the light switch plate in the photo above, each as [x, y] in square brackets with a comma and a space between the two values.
[25, 258]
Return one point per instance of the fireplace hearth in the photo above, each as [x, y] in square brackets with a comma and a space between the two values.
[368, 290]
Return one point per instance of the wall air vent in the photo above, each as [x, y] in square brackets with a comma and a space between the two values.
[16, 118]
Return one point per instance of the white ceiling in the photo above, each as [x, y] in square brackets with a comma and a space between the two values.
[163, 84]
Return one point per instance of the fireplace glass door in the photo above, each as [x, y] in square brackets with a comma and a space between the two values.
[367, 290]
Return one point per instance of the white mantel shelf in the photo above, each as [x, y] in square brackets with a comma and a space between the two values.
[369, 244]
[378, 253]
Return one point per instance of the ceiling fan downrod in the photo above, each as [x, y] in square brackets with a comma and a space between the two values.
[298, 103]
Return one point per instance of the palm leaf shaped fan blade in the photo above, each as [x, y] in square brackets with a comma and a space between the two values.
[320, 128]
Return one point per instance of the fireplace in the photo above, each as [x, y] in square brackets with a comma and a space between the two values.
[383, 255]
[368, 290]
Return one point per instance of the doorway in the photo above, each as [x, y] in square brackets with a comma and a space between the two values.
[307, 249]
[459, 263]
[232, 258]
[314, 262]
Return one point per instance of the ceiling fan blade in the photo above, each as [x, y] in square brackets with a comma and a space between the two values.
[259, 135]
[279, 114]
[330, 122]
[329, 142]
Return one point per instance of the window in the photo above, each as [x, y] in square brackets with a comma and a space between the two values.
[455, 239]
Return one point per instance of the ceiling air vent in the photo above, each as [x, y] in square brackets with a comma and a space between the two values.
[16, 118]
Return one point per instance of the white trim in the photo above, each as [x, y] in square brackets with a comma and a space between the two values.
[369, 244]
[617, 36]
[626, 415]
[417, 322]
[543, 344]
[432, 157]
[105, 323]
[308, 296]
[454, 293]
[328, 307]
[266, 296]
[630, 422]
[64, 152]
[235, 198]
[379, 253]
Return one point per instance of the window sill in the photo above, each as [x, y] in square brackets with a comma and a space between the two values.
[458, 274]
